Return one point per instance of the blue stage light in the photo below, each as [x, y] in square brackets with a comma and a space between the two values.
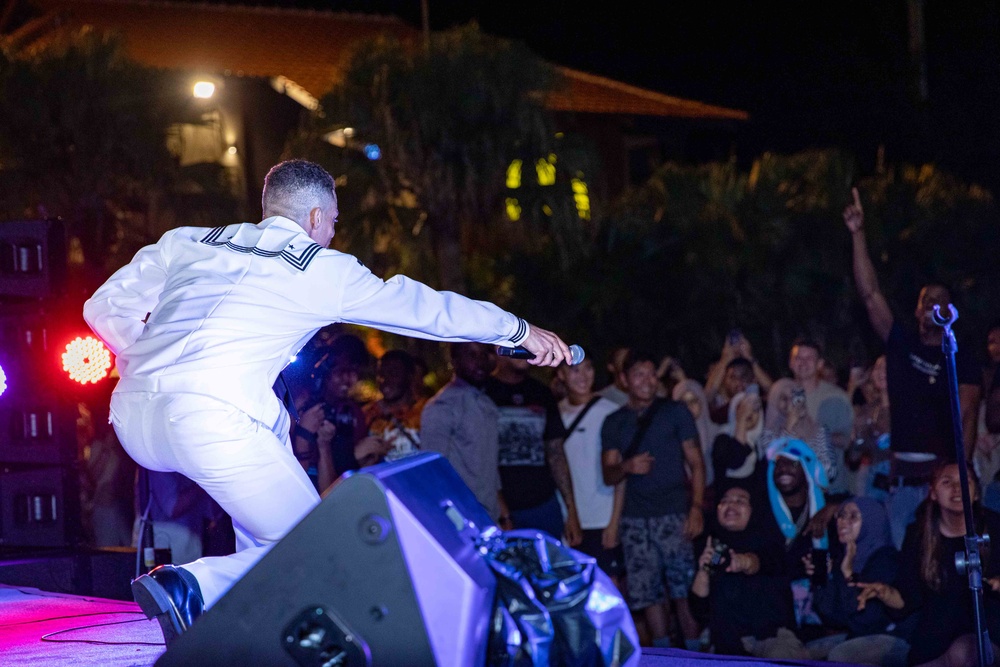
[372, 151]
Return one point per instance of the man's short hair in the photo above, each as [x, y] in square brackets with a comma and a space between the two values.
[456, 348]
[635, 357]
[941, 284]
[743, 365]
[347, 350]
[403, 357]
[291, 181]
[613, 353]
[806, 341]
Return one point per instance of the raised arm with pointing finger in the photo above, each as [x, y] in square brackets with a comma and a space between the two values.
[920, 414]
[879, 313]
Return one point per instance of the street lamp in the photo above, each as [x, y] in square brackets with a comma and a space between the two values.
[204, 90]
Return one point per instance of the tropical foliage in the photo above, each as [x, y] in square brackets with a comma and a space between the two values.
[84, 138]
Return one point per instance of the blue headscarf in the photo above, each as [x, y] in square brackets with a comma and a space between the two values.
[874, 534]
[797, 450]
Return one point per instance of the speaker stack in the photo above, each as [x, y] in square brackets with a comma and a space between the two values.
[39, 504]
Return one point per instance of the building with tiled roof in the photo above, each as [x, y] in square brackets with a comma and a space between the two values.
[300, 54]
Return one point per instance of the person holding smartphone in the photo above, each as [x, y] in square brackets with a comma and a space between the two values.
[787, 415]
[735, 370]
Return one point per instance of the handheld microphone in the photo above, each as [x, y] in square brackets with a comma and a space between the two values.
[575, 354]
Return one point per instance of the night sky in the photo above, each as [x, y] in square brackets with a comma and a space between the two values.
[814, 74]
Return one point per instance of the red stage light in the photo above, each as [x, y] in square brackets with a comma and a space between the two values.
[86, 360]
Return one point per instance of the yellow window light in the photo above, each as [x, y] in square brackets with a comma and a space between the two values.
[546, 170]
[513, 209]
[514, 175]
[581, 196]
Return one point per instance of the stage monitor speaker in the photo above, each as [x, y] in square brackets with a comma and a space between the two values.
[32, 257]
[385, 571]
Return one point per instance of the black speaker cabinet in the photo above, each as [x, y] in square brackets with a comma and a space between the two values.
[38, 507]
[37, 428]
[384, 571]
[32, 257]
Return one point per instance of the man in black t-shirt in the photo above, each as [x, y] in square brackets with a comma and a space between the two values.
[921, 432]
[532, 461]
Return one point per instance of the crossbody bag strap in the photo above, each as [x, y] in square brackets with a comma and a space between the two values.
[580, 415]
[644, 421]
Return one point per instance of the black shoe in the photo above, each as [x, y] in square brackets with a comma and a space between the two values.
[172, 596]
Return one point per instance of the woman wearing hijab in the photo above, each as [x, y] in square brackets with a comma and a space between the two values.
[690, 393]
[863, 552]
[740, 588]
[736, 450]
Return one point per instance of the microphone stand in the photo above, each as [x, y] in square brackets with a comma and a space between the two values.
[968, 563]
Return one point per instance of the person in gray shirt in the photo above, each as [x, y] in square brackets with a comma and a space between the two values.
[460, 423]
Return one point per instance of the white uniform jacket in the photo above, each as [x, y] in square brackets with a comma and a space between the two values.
[228, 307]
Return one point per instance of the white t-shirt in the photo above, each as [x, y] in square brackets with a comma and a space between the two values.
[594, 498]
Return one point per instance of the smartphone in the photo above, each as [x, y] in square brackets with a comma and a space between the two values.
[798, 396]
[734, 336]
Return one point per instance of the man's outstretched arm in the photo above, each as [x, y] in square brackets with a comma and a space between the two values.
[408, 307]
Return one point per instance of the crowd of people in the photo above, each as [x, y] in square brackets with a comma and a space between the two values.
[813, 513]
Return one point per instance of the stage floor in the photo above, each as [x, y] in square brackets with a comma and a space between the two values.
[42, 628]
[39, 628]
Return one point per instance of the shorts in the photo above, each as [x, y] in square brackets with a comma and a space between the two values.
[658, 559]
[612, 561]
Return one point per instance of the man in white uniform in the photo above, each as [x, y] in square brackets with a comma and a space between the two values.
[202, 323]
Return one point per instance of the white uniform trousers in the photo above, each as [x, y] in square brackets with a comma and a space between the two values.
[246, 466]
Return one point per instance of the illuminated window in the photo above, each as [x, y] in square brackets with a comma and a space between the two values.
[546, 170]
[514, 175]
[581, 196]
[513, 209]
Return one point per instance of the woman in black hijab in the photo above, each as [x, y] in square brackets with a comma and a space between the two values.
[741, 588]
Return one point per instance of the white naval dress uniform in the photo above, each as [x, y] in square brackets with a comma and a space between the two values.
[227, 308]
